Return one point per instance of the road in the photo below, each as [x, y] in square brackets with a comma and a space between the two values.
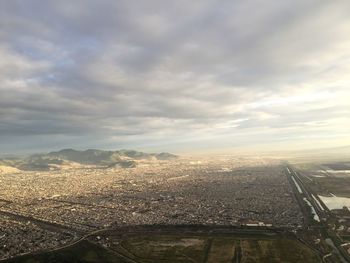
[320, 208]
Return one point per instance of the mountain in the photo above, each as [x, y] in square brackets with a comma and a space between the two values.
[95, 157]
[90, 156]
[69, 158]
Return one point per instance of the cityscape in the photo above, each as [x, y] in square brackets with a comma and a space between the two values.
[60, 206]
[204, 131]
[74, 202]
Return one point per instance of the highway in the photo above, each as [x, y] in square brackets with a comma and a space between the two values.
[305, 198]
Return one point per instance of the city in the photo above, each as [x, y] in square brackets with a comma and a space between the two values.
[206, 131]
[53, 208]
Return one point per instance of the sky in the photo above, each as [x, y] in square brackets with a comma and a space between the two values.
[179, 76]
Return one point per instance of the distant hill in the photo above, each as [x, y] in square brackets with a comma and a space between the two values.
[90, 156]
[93, 156]
[69, 158]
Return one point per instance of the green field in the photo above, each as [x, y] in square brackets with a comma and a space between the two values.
[166, 248]
[215, 250]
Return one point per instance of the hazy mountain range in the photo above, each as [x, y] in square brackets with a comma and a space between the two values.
[69, 158]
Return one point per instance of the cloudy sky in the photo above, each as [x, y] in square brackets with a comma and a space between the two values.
[180, 76]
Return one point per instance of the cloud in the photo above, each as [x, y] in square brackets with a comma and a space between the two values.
[171, 75]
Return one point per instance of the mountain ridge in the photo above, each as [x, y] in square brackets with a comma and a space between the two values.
[69, 157]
